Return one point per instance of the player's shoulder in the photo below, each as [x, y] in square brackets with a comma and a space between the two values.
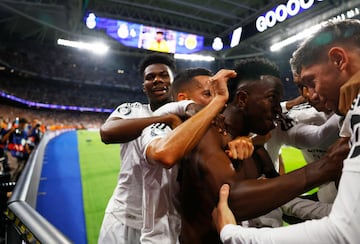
[131, 109]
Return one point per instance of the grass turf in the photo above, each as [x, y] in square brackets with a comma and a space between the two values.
[99, 164]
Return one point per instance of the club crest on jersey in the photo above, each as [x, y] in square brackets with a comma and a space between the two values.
[124, 109]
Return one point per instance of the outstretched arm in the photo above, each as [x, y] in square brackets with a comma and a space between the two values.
[340, 227]
[251, 198]
[118, 130]
[310, 136]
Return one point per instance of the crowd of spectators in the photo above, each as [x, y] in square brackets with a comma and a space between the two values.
[52, 74]
[55, 119]
[64, 93]
[68, 64]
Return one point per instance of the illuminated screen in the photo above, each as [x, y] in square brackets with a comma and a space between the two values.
[147, 37]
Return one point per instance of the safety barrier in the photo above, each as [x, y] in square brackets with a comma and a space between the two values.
[27, 224]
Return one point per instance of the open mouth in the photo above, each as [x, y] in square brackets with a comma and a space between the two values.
[160, 90]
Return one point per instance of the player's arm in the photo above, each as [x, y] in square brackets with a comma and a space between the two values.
[251, 198]
[118, 130]
[310, 136]
[172, 147]
[260, 196]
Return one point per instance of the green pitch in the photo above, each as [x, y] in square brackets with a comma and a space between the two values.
[100, 165]
[293, 159]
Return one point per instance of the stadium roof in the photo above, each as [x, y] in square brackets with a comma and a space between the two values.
[48, 20]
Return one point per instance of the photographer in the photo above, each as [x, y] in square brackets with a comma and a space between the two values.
[16, 147]
[34, 134]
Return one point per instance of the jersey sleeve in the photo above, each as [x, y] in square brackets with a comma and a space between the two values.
[151, 133]
[127, 111]
[178, 108]
[309, 136]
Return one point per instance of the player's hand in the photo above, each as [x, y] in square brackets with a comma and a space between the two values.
[240, 148]
[218, 83]
[348, 92]
[336, 154]
[222, 214]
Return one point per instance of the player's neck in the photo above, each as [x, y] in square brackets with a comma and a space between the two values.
[234, 121]
[157, 105]
[222, 129]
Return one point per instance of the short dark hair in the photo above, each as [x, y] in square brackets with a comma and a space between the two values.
[156, 58]
[250, 70]
[184, 78]
[312, 50]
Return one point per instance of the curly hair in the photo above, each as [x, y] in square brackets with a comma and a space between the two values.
[157, 58]
[249, 70]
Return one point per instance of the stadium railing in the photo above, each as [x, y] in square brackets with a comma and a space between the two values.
[25, 223]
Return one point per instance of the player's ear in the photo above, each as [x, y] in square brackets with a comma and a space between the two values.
[143, 88]
[182, 96]
[241, 98]
[338, 57]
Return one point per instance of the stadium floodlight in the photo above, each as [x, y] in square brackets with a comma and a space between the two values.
[91, 21]
[217, 44]
[236, 35]
[194, 57]
[98, 48]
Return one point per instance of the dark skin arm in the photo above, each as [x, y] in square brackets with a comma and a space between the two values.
[251, 198]
[117, 130]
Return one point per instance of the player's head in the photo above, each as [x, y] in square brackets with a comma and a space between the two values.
[157, 58]
[327, 59]
[192, 84]
[255, 94]
[307, 93]
[158, 72]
